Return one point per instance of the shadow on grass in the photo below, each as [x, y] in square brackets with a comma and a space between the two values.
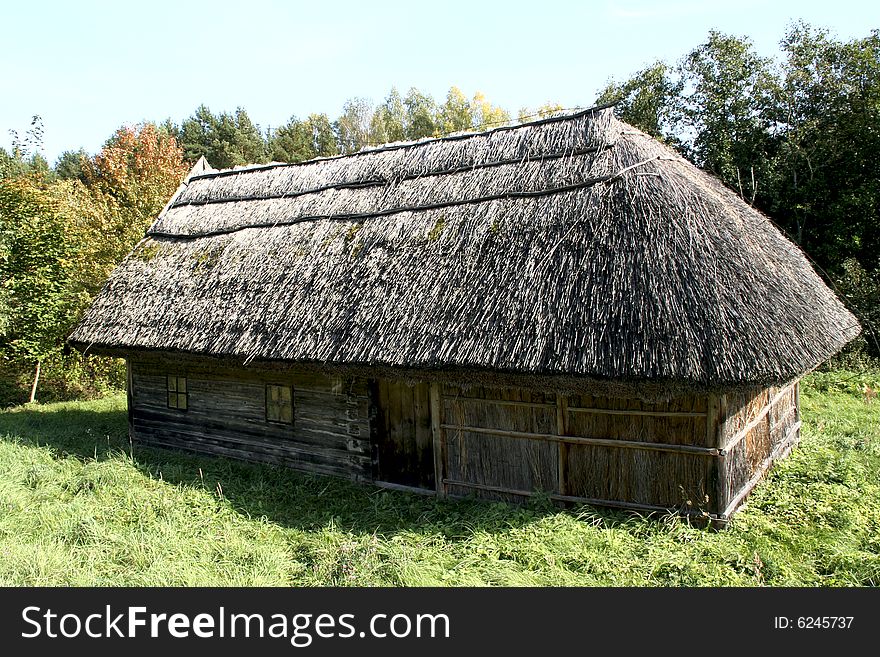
[284, 496]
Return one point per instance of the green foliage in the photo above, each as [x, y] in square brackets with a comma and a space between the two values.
[828, 194]
[225, 140]
[60, 237]
[84, 507]
[861, 291]
[421, 115]
[389, 120]
[25, 158]
[71, 165]
[456, 114]
[303, 140]
[726, 101]
[35, 259]
[353, 126]
[647, 100]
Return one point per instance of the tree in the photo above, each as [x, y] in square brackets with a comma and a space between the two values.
[25, 157]
[37, 308]
[456, 114]
[545, 111]
[648, 100]
[303, 140]
[353, 125]
[225, 140]
[71, 165]
[139, 168]
[421, 115]
[389, 120]
[726, 104]
[486, 115]
[828, 115]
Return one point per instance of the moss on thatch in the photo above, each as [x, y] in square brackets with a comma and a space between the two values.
[618, 260]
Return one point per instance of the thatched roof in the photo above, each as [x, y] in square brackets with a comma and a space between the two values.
[573, 246]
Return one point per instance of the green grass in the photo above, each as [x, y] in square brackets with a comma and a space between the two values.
[80, 506]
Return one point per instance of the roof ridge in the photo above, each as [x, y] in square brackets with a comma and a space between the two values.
[410, 144]
[378, 182]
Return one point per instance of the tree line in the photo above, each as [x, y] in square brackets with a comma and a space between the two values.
[797, 137]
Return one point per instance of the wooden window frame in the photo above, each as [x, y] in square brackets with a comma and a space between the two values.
[274, 408]
[177, 389]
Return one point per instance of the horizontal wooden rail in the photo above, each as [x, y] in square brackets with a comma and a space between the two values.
[609, 411]
[598, 442]
[635, 506]
[499, 402]
[404, 489]
[578, 409]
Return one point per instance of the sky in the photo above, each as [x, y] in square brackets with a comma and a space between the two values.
[89, 67]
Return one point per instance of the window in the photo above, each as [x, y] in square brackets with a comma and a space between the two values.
[279, 404]
[177, 392]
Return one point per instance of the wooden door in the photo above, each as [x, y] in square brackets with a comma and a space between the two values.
[404, 450]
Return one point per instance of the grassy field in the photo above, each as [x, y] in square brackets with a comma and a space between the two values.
[80, 506]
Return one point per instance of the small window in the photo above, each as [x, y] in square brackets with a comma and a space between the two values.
[177, 392]
[279, 404]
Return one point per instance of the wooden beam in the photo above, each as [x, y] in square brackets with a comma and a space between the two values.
[129, 397]
[498, 402]
[562, 430]
[608, 411]
[635, 506]
[714, 438]
[439, 439]
[573, 440]
[403, 489]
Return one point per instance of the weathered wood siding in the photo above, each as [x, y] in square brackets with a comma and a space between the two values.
[757, 427]
[503, 444]
[700, 454]
[498, 461]
[226, 415]
[640, 475]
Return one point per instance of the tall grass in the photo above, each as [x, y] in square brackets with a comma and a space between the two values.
[79, 505]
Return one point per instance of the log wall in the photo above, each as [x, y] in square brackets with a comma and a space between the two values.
[226, 415]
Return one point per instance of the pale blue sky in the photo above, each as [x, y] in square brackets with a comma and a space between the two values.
[89, 67]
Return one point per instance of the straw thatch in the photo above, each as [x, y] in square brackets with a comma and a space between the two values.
[574, 246]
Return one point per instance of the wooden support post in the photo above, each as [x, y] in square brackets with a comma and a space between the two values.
[438, 436]
[562, 430]
[129, 397]
[715, 421]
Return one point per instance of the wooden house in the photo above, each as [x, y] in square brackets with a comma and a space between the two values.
[564, 306]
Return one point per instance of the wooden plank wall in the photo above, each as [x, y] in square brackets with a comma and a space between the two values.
[503, 444]
[226, 415]
[483, 461]
[665, 478]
